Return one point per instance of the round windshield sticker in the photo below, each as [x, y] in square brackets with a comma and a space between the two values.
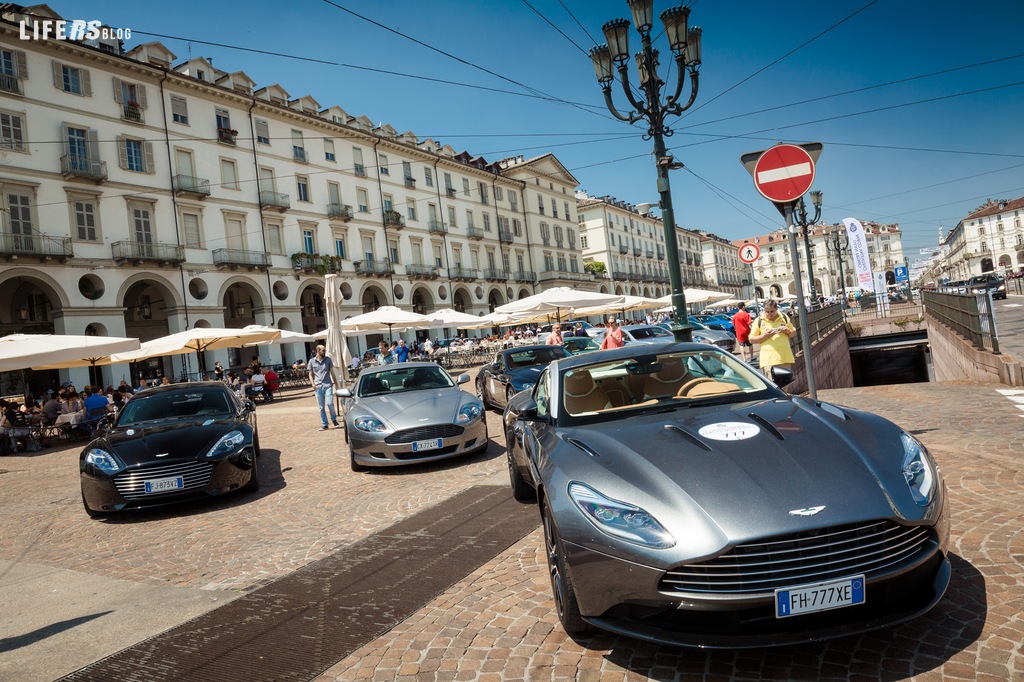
[729, 431]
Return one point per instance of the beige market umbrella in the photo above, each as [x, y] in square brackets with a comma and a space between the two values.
[384, 317]
[286, 336]
[337, 346]
[449, 317]
[631, 303]
[197, 340]
[559, 299]
[59, 351]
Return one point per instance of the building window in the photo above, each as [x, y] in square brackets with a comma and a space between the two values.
[499, 194]
[12, 70]
[393, 251]
[339, 247]
[452, 223]
[362, 198]
[382, 160]
[389, 203]
[191, 230]
[12, 134]
[513, 200]
[329, 149]
[262, 131]
[540, 204]
[428, 177]
[469, 220]
[302, 187]
[583, 242]
[228, 174]
[487, 222]
[308, 242]
[72, 79]
[223, 119]
[85, 216]
[179, 110]
[465, 186]
[275, 244]
[357, 162]
[410, 205]
[483, 192]
[298, 147]
[135, 155]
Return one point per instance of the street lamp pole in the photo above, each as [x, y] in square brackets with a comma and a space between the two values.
[837, 243]
[614, 56]
[800, 218]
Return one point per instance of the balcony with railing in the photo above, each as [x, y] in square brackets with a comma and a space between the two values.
[339, 211]
[496, 274]
[659, 279]
[238, 258]
[437, 227]
[132, 111]
[463, 274]
[474, 233]
[274, 200]
[41, 246]
[661, 253]
[9, 83]
[565, 275]
[420, 271]
[360, 170]
[186, 185]
[623, 248]
[129, 251]
[227, 135]
[649, 253]
[394, 219]
[374, 268]
[620, 275]
[410, 182]
[524, 276]
[83, 167]
[504, 236]
[637, 251]
[450, 191]
[299, 154]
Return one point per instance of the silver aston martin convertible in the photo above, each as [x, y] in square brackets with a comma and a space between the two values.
[410, 412]
[687, 500]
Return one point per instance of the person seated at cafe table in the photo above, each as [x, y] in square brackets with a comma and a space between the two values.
[51, 409]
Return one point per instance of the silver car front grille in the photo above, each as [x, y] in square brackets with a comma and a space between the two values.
[424, 433]
[869, 548]
[131, 484]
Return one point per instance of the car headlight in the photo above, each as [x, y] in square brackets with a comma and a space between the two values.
[228, 443]
[468, 413]
[625, 521]
[370, 424]
[918, 470]
[103, 460]
[526, 387]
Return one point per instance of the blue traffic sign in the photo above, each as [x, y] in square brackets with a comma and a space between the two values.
[901, 274]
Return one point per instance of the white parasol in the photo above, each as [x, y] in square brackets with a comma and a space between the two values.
[384, 317]
[197, 340]
[286, 336]
[59, 351]
[558, 299]
[631, 303]
[449, 317]
[337, 346]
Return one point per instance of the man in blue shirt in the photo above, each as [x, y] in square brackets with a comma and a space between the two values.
[402, 351]
[321, 376]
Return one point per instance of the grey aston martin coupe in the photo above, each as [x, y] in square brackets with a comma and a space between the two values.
[687, 500]
[410, 412]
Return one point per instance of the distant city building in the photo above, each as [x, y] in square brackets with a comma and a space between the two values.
[989, 239]
[773, 271]
[142, 197]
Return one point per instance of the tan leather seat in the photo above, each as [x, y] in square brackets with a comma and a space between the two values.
[582, 394]
[666, 382]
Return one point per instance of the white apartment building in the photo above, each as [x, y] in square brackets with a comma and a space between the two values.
[630, 248]
[723, 267]
[141, 197]
[773, 270]
[989, 239]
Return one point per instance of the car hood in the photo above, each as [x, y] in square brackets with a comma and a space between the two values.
[709, 489]
[164, 441]
[526, 375]
[412, 408]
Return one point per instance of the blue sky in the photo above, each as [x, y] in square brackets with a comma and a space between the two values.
[927, 152]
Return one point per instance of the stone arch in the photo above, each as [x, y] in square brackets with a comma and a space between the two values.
[372, 296]
[462, 299]
[31, 294]
[494, 299]
[1005, 262]
[523, 293]
[242, 300]
[154, 279]
[422, 299]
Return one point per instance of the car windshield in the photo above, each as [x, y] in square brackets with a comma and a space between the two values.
[648, 332]
[667, 380]
[213, 403]
[402, 379]
[534, 356]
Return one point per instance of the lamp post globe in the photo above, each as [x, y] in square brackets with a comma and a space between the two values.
[613, 58]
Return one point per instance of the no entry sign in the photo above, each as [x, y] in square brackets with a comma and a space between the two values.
[784, 173]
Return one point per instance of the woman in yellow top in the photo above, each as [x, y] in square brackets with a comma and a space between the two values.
[773, 330]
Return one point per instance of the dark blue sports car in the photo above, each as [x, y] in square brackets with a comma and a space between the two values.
[513, 370]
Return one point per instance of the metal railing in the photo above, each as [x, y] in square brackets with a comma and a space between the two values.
[299, 154]
[524, 276]
[420, 270]
[474, 233]
[463, 273]
[127, 249]
[820, 321]
[236, 257]
[338, 210]
[394, 219]
[187, 183]
[131, 112]
[36, 245]
[495, 274]
[969, 315]
[374, 267]
[75, 165]
[274, 199]
[437, 227]
[504, 236]
[567, 275]
[10, 83]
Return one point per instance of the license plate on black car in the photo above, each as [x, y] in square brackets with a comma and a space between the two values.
[163, 485]
[832, 594]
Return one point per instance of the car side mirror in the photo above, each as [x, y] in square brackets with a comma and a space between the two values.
[249, 405]
[343, 393]
[463, 379]
[527, 410]
[782, 376]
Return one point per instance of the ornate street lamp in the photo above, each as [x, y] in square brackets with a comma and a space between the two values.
[614, 56]
[837, 243]
[800, 218]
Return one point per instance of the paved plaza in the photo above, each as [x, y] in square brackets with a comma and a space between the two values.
[76, 590]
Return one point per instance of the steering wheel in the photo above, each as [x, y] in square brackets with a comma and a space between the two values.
[689, 385]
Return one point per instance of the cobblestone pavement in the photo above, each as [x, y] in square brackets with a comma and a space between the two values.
[498, 623]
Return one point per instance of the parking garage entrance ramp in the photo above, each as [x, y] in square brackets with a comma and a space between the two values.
[302, 624]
